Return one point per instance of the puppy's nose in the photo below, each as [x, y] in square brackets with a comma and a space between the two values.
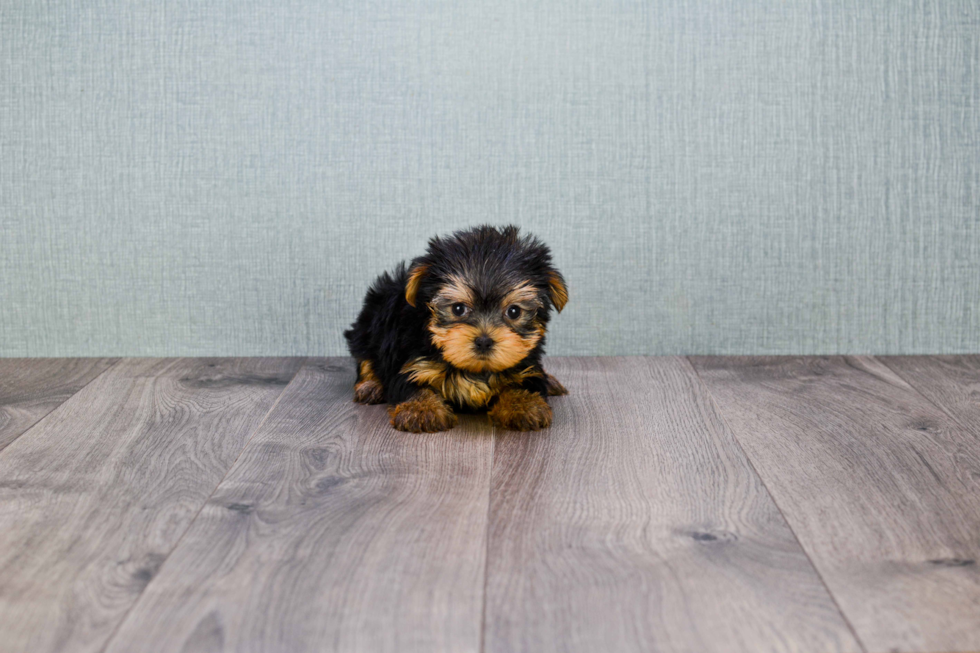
[483, 344]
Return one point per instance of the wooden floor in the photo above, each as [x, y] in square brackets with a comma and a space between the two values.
[703, 504]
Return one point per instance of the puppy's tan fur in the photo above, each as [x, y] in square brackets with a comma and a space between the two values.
[471, 390]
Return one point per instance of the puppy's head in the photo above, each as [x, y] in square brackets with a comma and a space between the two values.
[489, 292]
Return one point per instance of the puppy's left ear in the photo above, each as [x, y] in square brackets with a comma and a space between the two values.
[414, 279]
[557, 290]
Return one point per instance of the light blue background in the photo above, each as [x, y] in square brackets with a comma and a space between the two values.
[225, 178]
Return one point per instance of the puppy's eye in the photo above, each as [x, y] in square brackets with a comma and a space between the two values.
[514, 312]
[459, 309]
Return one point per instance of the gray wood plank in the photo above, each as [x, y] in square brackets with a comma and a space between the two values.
[636, 524]
[333, 532]
[30, 388]
[950, 382]
[881, 487]
[94, 497]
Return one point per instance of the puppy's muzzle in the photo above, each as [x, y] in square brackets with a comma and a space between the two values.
[483, 344]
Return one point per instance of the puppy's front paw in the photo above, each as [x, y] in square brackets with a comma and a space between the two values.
[426, 412]
[520, 410]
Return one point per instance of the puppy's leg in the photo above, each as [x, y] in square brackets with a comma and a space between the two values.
[368, 389]
[425, 412]
[554, 387]
[518, 409]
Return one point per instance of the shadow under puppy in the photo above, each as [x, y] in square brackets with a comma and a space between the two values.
[462, 328]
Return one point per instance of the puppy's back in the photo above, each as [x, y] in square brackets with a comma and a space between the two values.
[388, 331]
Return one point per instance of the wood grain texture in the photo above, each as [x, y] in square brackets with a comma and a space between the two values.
[950, 382]
[636, 524]
[881, 487]
[333, 532]
[30, 388]
[95, 497]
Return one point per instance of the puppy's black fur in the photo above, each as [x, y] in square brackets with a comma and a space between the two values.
[391, 331]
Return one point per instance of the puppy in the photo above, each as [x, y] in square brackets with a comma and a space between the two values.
[462, 328]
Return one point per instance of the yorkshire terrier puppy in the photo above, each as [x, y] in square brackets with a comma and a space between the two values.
[462, 328]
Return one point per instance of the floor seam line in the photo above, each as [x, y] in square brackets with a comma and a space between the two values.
[486, 543]
[915, 387]
[190, 524]
[710, 397]
[70, 397]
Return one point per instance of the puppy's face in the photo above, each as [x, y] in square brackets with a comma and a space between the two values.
[487, 331]
[489, 292]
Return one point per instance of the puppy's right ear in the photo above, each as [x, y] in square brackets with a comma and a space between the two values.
[414, 279]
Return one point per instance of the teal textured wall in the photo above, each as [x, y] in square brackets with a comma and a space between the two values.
[225, 178]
